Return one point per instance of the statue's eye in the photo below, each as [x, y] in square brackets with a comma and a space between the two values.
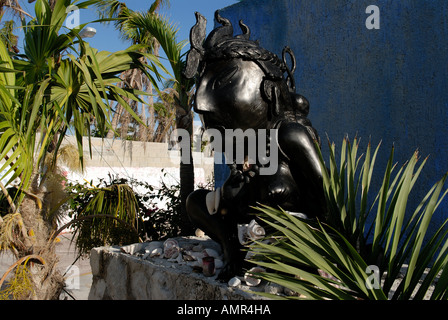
[225, 77]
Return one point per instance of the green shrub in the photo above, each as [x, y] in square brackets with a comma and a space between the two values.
[121, 211]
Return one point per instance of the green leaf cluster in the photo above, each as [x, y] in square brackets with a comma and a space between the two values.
[345, 246]
[59, 84]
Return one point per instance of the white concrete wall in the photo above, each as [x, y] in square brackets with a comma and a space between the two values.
[132, 156]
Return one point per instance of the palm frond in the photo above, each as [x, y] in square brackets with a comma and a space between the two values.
[110, 217]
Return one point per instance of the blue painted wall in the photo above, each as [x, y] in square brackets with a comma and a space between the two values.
[388, 84]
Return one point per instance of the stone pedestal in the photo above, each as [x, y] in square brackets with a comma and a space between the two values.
[122, 276]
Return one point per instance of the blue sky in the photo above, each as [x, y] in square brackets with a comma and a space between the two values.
[180, 12]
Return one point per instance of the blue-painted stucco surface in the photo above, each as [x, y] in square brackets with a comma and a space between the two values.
[388, 84]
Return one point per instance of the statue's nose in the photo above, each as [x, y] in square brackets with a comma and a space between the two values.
[203, 102]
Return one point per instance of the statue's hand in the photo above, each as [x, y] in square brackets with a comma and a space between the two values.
[237, 180]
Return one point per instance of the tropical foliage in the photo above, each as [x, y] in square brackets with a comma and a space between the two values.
[158, 116]
[58, 84]
[104, 215]
[140, 26]
[120, 211]
[345, 257]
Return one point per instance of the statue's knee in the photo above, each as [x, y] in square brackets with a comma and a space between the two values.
[195, 203]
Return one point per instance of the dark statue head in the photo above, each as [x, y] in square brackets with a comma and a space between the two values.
[239, 83]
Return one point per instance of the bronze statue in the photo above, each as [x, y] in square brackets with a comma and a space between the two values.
[240, 85]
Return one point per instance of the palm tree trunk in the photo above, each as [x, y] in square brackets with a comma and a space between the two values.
[186, 172]
[152, 122]
[47, 282]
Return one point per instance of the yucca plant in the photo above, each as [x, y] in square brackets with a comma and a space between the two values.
[347, 249]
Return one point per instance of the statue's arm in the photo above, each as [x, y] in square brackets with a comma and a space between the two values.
[297, 145]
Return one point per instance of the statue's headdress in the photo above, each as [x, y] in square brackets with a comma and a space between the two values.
[221, 44]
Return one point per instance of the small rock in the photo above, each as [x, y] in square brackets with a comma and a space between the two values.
[273, 288]
[211, 253]
[177, 259]
[234, 282]
[199, 233]
[291, 293]
[219, 263]
[188, 257]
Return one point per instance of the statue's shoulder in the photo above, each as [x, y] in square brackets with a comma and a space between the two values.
[295, 135]
[289, 131]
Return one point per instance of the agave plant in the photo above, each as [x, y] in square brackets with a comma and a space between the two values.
[335, 259]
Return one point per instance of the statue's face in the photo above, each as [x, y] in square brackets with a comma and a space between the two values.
[229, 95]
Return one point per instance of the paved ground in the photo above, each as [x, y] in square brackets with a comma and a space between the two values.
[77, 271]
[79, 276]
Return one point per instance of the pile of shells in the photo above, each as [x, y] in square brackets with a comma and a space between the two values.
[199, 257]
[202, 257]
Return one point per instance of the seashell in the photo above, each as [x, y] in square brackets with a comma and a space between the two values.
[133, 248]
[211, 253]
[171, 249]
[250, 232]
[156, 252]
[199, 233]
[234, 282]
[152, 252]
[195, 255]
[291, 293]
[250, 255]
[153, 245]
[255, 231]
[146, 255]
[298, 215]
[250, 279]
